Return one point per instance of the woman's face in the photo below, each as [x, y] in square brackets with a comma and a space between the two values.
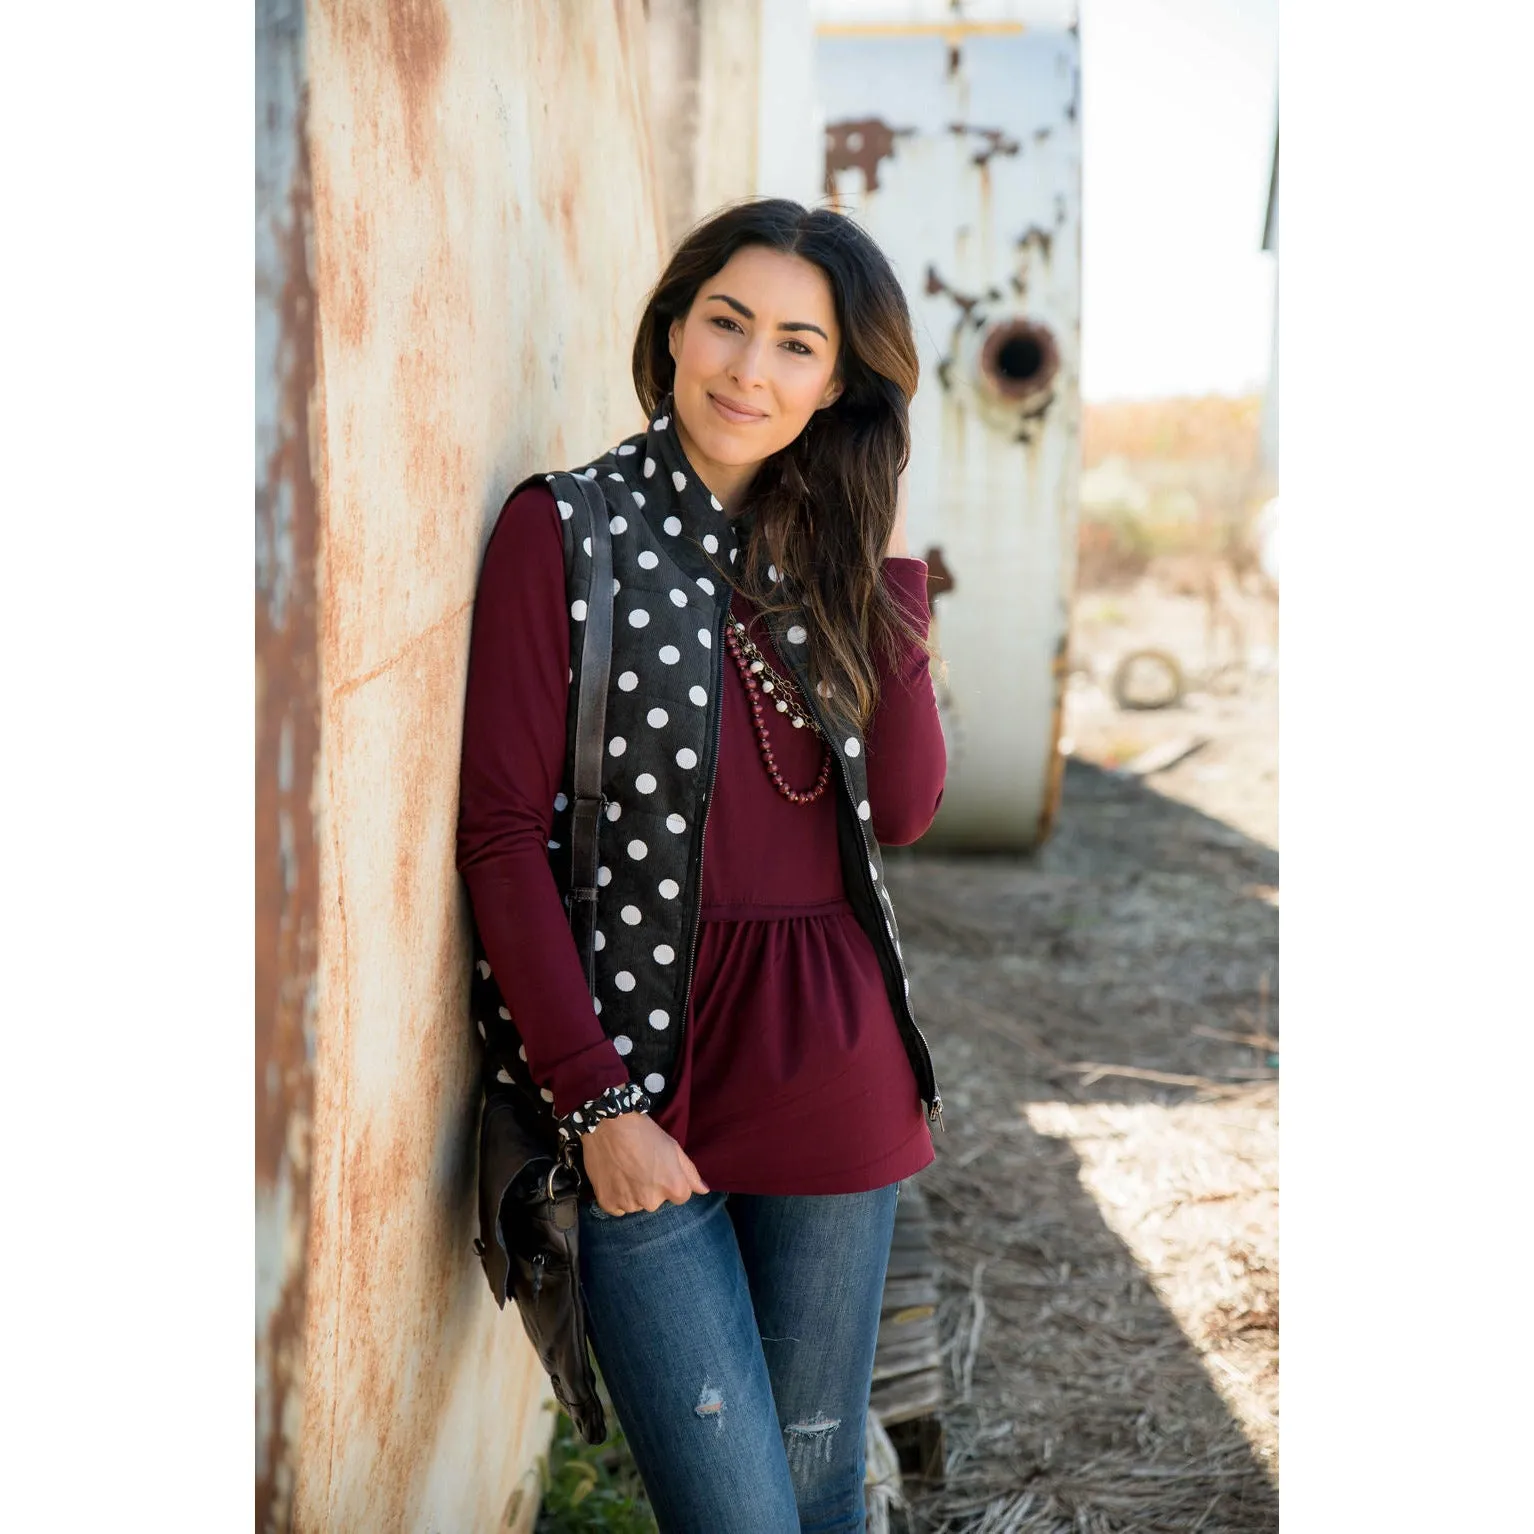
[755, 358]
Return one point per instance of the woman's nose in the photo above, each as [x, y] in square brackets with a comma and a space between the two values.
[749, 362]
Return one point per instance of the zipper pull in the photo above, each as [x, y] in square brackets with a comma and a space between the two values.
[935, 1113]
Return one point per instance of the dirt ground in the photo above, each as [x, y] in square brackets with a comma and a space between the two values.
[1104, 1017]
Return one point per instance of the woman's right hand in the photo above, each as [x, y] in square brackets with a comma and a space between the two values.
[633, 1164]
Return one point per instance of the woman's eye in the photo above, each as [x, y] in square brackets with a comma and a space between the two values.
[724, 319]
[800, 349]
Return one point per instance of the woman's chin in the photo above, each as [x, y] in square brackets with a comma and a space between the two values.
[729, 448]
[736, 455]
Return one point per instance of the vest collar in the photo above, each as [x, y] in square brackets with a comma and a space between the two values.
[656, 472]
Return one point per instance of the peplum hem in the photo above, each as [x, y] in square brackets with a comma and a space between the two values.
[794, 1004]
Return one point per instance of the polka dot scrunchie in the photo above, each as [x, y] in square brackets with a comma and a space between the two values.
[629, 1098]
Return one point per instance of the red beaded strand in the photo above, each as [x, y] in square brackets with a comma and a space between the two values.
[754, 693]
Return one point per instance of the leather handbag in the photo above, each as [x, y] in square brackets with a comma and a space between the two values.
[529, 1216]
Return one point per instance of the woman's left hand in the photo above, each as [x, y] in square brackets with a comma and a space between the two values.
[897, 548]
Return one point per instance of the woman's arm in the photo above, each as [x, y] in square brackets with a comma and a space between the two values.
[907, 759]
[513, 759]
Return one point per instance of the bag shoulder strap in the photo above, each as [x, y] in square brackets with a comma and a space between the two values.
[590, 721]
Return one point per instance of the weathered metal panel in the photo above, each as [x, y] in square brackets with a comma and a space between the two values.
[485, 224]
[287, 749]
[957, 144]
[790, 138]
[704, 77]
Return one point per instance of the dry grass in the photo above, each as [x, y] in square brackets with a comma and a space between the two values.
[1191, 1190]
[1110, 1326]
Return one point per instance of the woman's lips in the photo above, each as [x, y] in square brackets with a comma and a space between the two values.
[732, 414]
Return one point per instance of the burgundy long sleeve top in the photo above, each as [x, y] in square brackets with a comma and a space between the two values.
[792, 1077]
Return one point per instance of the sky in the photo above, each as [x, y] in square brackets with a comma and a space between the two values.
[1178, 115]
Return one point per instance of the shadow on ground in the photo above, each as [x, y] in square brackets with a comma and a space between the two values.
[1103, 1020]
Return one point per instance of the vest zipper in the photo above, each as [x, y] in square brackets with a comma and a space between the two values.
[932, 1099]
[708, 805]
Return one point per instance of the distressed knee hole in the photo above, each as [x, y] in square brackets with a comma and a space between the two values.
[710, 1405]
[809, 1443]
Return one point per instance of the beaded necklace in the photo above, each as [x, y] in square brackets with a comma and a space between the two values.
[762, 681]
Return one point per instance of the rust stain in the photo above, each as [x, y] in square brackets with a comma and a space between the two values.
[935, 286]
[1054, 772]
[425, 636]
[427, 779]
[351, 304]
[393, 1237]
[1035, 237]
[330, 1237]
[418, 35]
[390, 1229]
[426, 380]
[860, 144]
[993, 141]
[343, 283]
[567, 215]
[287, 742]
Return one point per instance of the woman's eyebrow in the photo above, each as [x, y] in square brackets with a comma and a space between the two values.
[741, 309]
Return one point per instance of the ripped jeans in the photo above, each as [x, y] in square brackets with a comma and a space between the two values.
[736, 1335]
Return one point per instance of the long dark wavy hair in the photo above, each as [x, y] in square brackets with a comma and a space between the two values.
[823, 507]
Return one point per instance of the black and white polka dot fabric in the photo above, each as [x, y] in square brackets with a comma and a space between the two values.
[672, 546]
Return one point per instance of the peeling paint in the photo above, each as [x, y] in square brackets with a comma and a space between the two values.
[992, 140]
[859, 144]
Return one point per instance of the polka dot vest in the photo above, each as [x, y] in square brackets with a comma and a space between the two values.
[672, 545]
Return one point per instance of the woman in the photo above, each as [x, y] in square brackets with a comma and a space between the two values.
[748, 1083]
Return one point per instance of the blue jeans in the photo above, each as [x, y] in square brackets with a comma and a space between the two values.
[736, 1335]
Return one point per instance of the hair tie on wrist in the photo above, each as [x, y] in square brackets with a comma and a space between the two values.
[629, 1098]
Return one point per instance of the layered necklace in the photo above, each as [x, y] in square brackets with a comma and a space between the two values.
[764, 683]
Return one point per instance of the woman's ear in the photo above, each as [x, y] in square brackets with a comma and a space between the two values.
[832, 394]
[674, 337]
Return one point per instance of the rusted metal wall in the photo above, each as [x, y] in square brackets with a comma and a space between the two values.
[956, 141]
[484, 225]
[287, 749]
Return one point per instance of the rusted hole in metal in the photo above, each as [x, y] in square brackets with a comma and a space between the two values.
[1019, 359]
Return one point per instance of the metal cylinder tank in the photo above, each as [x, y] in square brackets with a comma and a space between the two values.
[955, 139]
